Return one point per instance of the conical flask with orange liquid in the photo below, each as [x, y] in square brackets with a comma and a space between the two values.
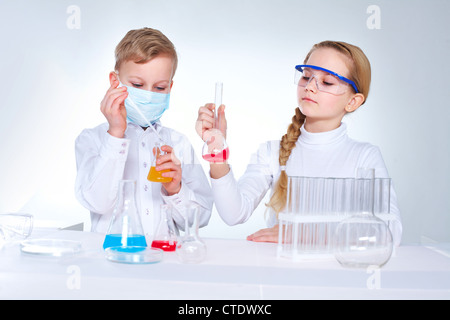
[153, 174]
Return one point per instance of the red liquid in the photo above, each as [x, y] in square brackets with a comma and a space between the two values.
[217, 157]
[164, 245]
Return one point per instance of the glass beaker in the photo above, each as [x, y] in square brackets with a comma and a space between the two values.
[363, 240]
[15, 226]
[165, 236]
[190, 247]
[215, 148]
[153, 175]
[125, 229]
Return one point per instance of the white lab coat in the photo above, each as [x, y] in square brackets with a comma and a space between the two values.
[102, 160]
[326, 154]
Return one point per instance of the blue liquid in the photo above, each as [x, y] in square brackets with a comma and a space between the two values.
[116, 240]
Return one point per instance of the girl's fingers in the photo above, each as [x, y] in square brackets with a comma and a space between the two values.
[265, 235]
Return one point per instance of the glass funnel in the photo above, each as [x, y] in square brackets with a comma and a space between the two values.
[125, 229]
[153, 175]
[190, 247]
[363, 240]
[215, 148]
[165, 236]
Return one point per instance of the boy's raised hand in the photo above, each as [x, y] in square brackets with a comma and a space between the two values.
[113, 108]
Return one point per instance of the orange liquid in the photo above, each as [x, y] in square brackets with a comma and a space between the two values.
[156, 176]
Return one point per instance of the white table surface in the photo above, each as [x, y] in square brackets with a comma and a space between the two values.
[233, 269]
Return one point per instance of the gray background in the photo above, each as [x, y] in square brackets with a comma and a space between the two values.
[55, 73]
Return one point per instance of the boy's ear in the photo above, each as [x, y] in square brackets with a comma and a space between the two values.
[171, 84]
[112, 77]
[355, 102]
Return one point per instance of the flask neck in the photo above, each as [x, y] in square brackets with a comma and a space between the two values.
[126, 193]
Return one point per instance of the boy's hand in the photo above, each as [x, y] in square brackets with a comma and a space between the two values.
[205, 120]
[113, 108]
[170, 161]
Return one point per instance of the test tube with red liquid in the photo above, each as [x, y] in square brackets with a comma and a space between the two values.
[215, 148]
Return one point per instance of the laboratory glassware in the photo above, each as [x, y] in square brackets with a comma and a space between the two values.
[125, 229]
[190, 247]
[215, 148]
[134, 255]
[153, 175]
[363, 239]
[50, 247]
[165, 235]
[314, 208]
[15, 226]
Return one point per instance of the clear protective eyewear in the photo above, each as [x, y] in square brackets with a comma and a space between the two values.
[326, 80]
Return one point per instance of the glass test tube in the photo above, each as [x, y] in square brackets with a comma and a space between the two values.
[217, 102]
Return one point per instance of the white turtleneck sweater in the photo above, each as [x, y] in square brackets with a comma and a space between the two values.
[325, 154]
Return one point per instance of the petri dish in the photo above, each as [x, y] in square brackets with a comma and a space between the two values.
[50, 247]
[134, 254]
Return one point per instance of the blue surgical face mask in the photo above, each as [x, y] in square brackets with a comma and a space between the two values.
[145, 107]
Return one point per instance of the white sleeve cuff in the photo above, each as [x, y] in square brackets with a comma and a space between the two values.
[115, 148]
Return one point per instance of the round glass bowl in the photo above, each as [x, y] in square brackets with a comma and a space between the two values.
[134, 254]
[50, 247]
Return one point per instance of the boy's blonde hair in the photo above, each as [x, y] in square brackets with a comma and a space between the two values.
[359, 72]
[142, 45]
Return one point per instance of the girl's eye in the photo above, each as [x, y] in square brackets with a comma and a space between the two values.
[330, 81]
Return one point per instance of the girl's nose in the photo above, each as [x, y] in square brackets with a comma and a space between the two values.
[312, 84]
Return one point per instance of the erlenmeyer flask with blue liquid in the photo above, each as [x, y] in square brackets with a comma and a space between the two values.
[125, 230]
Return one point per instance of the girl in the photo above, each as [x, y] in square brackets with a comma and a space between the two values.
[333, 81]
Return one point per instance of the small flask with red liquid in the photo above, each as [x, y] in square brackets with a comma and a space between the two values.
[165, 236]
[215, 148]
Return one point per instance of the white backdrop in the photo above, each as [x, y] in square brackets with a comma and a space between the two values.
[56, 56]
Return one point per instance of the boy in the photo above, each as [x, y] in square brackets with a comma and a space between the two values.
[121, 148]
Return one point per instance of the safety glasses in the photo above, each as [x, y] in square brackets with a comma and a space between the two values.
[326, 80]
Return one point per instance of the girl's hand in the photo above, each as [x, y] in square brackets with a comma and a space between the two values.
[205, 120]
[113, 108]
[265, 235]
[170, 162]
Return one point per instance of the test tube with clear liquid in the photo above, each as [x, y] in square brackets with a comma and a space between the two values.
[215, 148]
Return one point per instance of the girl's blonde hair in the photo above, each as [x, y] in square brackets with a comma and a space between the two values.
[359, 72]
[144, 44]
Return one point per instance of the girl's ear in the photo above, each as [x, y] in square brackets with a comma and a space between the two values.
[355, 102]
